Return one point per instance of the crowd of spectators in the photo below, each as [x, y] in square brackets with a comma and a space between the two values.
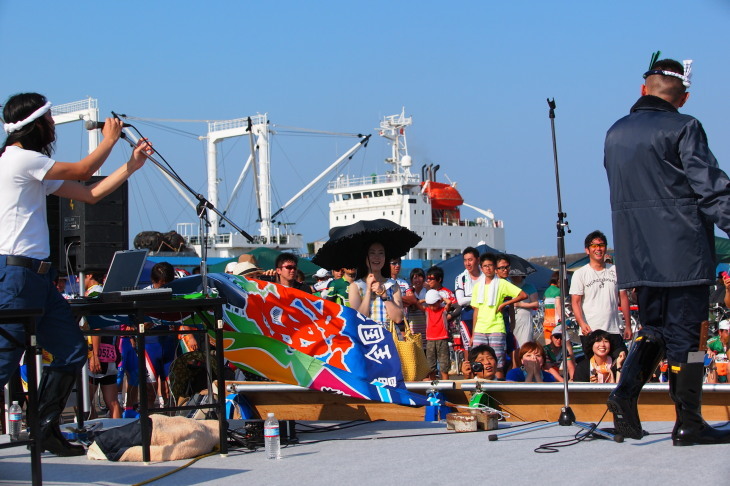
[488, 317]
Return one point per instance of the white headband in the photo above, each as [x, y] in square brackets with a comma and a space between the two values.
[686, 81]
[11, 127]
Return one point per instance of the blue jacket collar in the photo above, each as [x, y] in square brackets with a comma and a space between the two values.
[651, 102]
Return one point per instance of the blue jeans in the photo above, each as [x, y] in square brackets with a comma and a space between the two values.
[57, 330]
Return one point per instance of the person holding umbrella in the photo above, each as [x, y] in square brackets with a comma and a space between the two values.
[369, 246]
[376, 296]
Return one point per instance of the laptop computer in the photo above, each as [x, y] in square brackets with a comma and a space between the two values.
[124, 271]
[120, 284]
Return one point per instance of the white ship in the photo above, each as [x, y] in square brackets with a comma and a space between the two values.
[417, 201]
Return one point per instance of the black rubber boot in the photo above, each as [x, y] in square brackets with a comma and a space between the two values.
[638, 367]
[685, 388]
[53, 391]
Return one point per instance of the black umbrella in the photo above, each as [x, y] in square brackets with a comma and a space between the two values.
[348, 245]
[519, 265]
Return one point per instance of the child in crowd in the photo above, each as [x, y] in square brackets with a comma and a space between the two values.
[437, 335]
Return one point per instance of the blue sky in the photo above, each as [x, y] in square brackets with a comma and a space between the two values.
[474, 76]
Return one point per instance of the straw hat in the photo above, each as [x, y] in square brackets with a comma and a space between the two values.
[246, 268]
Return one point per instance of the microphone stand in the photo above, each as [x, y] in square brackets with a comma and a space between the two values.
[202, 208]
[567, 417]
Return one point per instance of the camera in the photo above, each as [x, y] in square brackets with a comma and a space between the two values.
[476, 367]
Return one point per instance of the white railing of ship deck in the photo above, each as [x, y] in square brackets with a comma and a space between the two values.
[347, 181]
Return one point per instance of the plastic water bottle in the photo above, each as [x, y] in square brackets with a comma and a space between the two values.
[272, 441]
[15, 414]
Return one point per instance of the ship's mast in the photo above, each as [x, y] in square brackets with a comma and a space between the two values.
[393, 128]
[219, 130]
[84, 110]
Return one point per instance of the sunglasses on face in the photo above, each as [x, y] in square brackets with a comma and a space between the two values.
[289, 267]
[505, 267]
[593, 246]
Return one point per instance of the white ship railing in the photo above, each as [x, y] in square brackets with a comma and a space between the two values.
[218, 126]
[225, 239]
[479, 222]
[344, 182]
[87, 104]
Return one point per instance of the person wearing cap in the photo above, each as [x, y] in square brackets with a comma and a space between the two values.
[229, 267]
[323, 278]
[666, 192]
[554, 362]
[27, 175]
[437, 335]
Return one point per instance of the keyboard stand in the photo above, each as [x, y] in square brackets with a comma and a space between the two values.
[138, 312]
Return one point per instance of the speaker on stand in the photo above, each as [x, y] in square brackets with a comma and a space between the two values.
[90, 234]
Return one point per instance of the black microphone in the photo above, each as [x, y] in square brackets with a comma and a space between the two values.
[94, 125]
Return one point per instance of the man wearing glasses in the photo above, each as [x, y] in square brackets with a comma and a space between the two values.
[395, 267]
[596, 298]
[285, 272]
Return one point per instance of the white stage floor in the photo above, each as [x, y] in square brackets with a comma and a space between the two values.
[423, 453]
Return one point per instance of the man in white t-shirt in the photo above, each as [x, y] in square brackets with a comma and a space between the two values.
[596, 298]
[463, 286]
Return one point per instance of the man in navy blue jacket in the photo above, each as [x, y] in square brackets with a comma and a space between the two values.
[667, 191]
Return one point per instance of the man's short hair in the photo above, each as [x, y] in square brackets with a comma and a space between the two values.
[436, 272]
[416, 271]
[286, 257]
[482, 348]
[503, 257]
[472, 250]
[669, 86]
[488, 257]
[595, 235]
[162, 273]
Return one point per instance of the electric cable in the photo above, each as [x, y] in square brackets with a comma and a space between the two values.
[168, 473]
[579, 437]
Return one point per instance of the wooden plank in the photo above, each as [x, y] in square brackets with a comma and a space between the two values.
[523, 406]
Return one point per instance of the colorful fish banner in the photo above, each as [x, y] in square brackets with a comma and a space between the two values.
[297, 338]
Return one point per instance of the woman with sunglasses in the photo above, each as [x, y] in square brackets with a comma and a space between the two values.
[376, 296]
